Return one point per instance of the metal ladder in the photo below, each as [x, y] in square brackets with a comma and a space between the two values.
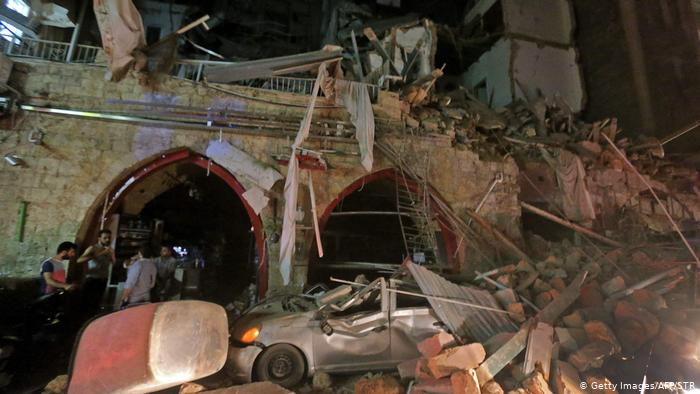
[415, 219]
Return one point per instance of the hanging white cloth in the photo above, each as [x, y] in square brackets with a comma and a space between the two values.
[355, 97]
[291, 184]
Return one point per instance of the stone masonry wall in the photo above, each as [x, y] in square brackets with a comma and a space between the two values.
[67, 176]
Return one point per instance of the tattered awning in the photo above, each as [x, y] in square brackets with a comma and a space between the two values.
[263, 68]
[464, 321]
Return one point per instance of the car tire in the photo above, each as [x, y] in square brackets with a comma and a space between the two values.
[281, 364]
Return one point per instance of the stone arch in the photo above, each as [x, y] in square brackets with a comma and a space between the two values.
[393, 174]
[110, 198]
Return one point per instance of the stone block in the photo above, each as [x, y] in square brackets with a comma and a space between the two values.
[634, 325]
[456, 359]
[433, 386]
[591, 355]
[613, 286]
[465, 382]
[384, 384]
[536, 384]
[432, 346]
[491, 387]
[598, 331]
[574, 319]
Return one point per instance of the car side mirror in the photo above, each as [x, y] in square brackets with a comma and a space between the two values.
[150, 347]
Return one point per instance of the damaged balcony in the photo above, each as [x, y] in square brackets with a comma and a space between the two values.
[383, 196]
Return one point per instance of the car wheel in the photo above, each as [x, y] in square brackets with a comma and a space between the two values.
[281, 364]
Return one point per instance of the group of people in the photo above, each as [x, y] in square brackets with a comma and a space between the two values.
[147, 279]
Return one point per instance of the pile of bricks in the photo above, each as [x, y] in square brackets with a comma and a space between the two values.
[581, 322]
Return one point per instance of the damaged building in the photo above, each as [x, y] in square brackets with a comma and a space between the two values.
[385, 196]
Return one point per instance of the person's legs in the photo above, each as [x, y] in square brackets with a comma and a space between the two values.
[92, 295]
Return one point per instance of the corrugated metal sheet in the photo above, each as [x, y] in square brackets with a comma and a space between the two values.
[464, 321]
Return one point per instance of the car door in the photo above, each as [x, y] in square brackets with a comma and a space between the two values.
[411, 320]
[356, 339]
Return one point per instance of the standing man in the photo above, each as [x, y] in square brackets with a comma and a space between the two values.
[140, 278]
[53, 272]
[99, 258]
[166, 265]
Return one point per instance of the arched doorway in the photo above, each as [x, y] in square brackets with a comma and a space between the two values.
[365, 228]
[184, 199]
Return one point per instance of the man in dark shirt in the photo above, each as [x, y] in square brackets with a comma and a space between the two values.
[53, 272]
[97, 259]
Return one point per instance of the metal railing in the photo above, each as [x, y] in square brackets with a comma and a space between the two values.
[190, 69]
[47, 50]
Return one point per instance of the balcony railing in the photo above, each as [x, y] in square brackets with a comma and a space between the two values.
[190, 69]
[54, 51]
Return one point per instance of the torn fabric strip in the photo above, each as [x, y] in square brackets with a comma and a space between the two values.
[291, 184]
[122, 34]
[355, 97]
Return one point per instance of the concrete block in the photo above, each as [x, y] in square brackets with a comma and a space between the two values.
[539, 349]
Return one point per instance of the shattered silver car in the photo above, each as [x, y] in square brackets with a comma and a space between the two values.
[338, 331]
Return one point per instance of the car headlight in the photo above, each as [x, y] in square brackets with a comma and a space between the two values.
[250, 334]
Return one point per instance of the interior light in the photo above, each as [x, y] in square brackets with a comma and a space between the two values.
[250, 335]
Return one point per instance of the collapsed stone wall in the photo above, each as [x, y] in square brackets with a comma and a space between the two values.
[67, 176]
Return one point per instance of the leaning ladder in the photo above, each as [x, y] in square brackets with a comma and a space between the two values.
[415, 218]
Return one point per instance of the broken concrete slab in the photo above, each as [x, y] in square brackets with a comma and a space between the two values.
[495, 342]
[456, 359]
[539, 349]
[567, 297]
[432, 346]
[504, 355]
[242, 164]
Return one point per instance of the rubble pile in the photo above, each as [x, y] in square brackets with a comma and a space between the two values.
[581, 318]
[595, 186]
